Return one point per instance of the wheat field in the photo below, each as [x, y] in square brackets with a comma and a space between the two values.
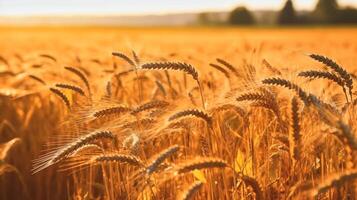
[178, 113]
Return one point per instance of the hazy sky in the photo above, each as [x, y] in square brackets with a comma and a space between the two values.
[114, 7]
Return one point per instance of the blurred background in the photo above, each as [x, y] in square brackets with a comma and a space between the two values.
[178, 12]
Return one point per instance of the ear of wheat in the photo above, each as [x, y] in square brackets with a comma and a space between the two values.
[294, 136]
[189, 192]
[86, 147]
[74, 88]
[336, 180]
[253, 183]
[221, 69]
[193, 112]
[160, 157]
[337, 68]
[150, 105]
[123, 73]
[161, 87]
[252, 96]
[229, 66]
[36, 78]
[117, 157]
[108, 89]
[62, 96]
[81, 76]
[322, 74]
[68, 149]
[124, 57]
[288, 84]
[137, 124]
[273, 107]
[325, 75]
[136, 58]
[264, 99]
[271, 68]
[202, 163]
[178, 66]
[112, 110]
[48, 57]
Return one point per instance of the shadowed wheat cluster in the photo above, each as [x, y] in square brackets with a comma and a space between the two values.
[149, 129]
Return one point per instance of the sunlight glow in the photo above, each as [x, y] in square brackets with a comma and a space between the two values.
[127, 7]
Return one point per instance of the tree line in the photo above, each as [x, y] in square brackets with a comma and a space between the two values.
[325, 12]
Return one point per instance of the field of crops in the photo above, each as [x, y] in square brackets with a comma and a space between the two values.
[178, 113]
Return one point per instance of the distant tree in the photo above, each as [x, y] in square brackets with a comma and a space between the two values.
[347, 16]
[241, 16]
[208, 18]
[203, 18]
[326, 11]
[287, 15]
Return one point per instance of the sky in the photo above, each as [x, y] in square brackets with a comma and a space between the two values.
[140, 7]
